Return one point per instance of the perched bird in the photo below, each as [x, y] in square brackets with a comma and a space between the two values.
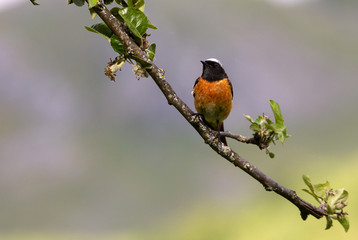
[213, 96]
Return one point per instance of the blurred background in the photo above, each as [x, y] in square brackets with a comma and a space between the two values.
[82, 157]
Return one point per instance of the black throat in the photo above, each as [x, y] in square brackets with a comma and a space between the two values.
[213, 71]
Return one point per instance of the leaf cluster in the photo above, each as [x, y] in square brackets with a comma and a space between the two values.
[333, 201]
[266, 131]
[136, 24]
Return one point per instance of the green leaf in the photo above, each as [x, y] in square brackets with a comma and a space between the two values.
[249, 118]
[138, 4]
[330, 211]
[310, 193]
[269, 121]
[93, 13]
[344, 222]
[136, 20]
[150, 25]
[102, 29]
[34, 2]
[279, 129]
[152, 47]
[151, 51]
[115, 12]
[329, 223]
[260, 120]
[321, 189]
[276, 111]
[343, 195]
[130, 3]
[338, 196]
[92, 3]
[122, 3]
[307, 181]
[142, 63]
[255, 127]
[78, 3]
[271, 154]
[117, 44]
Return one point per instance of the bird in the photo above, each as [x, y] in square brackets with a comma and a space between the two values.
[213, 94]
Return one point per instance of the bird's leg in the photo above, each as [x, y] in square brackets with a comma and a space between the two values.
[218, 134]
[198, 116]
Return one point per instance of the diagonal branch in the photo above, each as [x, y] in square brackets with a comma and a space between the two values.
[206, 133]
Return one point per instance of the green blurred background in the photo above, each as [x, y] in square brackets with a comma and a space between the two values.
[85, 158]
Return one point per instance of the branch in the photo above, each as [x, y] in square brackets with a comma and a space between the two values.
[206, 133]
[256, 140]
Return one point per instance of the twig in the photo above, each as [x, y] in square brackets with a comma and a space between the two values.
[240, 138]
[206, 133]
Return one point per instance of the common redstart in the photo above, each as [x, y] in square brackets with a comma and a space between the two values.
[213, 96]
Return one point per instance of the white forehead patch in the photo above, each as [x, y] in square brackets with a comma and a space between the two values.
[214, 60]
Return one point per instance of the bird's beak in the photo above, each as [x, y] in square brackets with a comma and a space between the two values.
[203, 62]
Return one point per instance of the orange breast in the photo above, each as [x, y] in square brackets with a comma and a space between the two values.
[213, 100]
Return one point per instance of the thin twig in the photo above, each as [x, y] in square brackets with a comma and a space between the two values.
[256, 140]
[238, 137]
[206, 133]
